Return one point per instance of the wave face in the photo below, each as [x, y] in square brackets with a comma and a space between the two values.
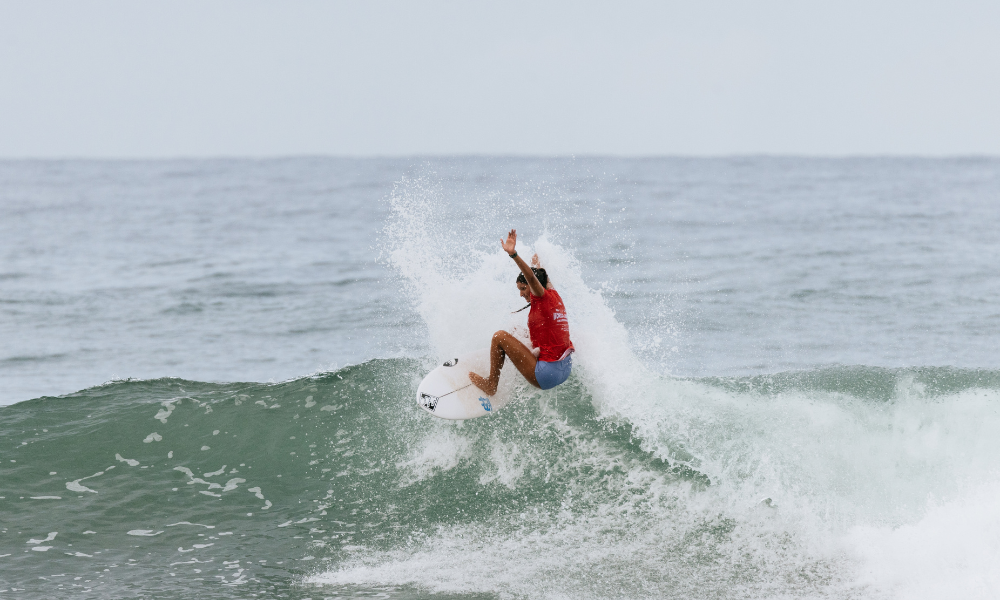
[842, 482]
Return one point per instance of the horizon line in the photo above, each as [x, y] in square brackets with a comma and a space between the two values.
[505, 155]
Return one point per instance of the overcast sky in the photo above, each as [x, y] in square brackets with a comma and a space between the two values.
[210, 78]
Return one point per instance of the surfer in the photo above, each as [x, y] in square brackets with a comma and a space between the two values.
[550, 363]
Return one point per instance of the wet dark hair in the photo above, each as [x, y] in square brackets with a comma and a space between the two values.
[540, 274]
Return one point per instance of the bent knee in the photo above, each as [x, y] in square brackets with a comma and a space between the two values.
[502, 338]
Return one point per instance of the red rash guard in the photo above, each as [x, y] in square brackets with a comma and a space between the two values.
[548, 326]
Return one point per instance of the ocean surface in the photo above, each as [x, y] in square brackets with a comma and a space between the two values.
[786, 383]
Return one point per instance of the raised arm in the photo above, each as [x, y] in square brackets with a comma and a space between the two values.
[509, 247]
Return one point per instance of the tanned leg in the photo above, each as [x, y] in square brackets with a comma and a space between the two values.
[502, 345]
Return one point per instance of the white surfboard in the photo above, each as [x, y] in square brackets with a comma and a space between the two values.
[447, 393]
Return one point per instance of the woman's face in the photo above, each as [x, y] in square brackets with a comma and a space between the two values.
[525, 292]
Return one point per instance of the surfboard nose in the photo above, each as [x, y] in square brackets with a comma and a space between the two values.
[448, 393]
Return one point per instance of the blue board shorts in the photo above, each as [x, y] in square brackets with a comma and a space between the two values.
[550, 374]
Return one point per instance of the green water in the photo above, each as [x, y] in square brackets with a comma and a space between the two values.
[288, 479]
[339, 485]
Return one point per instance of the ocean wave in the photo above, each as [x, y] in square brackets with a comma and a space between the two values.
[789, 489]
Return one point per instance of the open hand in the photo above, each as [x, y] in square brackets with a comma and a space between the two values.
[508, 246]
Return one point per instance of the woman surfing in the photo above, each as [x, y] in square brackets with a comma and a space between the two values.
[547, 327]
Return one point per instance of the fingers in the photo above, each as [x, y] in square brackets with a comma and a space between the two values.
[510, 241]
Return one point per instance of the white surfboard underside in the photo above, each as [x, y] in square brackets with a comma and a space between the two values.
[448, 393]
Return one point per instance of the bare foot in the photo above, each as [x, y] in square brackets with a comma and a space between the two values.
[482, 384]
